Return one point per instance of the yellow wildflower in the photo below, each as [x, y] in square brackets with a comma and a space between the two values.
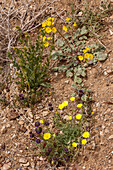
[79, 105]
[74, 144]
[48, 23]
[91, 56]
[44, 38]
[54, 135]
[53, 23]
[86, 134]
[84, 141]
[87, 48]
[84, 51]
[43, 24]
[46, 136]
[80, 57]
[70, 117]
[64, 28]
[48, 30]
[65, 103]
[86, 55]
[72, 99]
[67, 19]
[78, 116]
[54, 29]
[49, 19]
[46, 44]
[53, 19]
[92, 113]
[48, 38]
[41, 121]
[75, 24]
[60, 106]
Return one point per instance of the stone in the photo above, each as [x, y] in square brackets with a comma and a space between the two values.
[13, 115]
[27, 164]
[3, 130]
[110, 137]
[5, 167]
[21, 122]
[30, 115]
[67, 81]
[45, 113]
[23, 160]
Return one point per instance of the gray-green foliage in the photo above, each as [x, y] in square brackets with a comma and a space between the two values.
[67, 54]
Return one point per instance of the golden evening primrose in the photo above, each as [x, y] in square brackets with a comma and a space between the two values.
[86, 134]
[78, 116]
[74, 144]
[68, 19]
[75, 24]
[84, 141]
[44, 38]
[46, 44]
[79, 105]
[48, 23]
[92, 113]
[91, 56]
[80, 57]
[70, 117]
[41, 121]
[64, 28]
[60, 106]
[72, 99]
[65, 103]
[84, 51]
[43, 24]
[48, 30]
[54, 30]
[47, 136]
[86, 55]
[48, 38]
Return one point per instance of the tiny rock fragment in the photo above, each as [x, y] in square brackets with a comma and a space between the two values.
[5, 167]
[3, 130]
[23, 160]
[111, 137]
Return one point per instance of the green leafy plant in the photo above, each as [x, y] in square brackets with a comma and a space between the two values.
[61, 143]
[32, 65]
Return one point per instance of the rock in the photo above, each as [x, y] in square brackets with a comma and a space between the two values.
[30, 115]
[4, 129]
[45, 113]
[13, 115]
[21, 122]
[105, 73]
[27, 164]
[23, 160]
[110, 137]
[5, 167]
[67, 81]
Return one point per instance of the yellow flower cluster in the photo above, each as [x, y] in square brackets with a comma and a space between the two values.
[64, 104]
[87, 56]
[85, 135]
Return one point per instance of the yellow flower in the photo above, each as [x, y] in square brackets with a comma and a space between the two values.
[43, 24]
[70, 117]
[46, 44]
[84, 51]
[48, 38]
[79, 105]
[91, 56]
[41, 121]
[78, 116]
[80, 57]
[46, 136]
[44, 38]
[65, 103]
[72, 99]
[64, 28]
[86, 55]
[48, 23]
[53, 23]
[92, 113]
[86, 134]
[74, 144]
[53, 19]
[87, 48]
[49, 19]
[67, 19]
[48, 30]
[60, 106]
[75, 24]
[54, 29]
[84, 141]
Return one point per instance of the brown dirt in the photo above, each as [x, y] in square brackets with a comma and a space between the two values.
[17, 151]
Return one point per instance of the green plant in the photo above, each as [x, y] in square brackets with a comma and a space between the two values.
[72, 53]
[61, 143]
[32, 65]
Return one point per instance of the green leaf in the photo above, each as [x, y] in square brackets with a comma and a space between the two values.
[100, 56]
[77, 79]
[84, 97]
[83, 30]
[60, 43]
[69, 74]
